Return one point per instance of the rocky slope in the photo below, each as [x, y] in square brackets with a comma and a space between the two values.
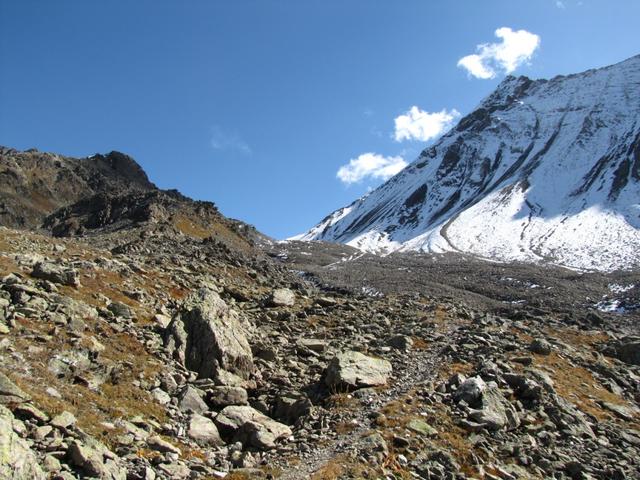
[143, 347]
[541, 171]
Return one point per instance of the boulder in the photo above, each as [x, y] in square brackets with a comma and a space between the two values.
[206, 335]
[626, 350]
[63, 420]
[120, 310]
[191, 400]
[491, 410]
[470, 390]
[56, 274]
[95, 460]
[282, 297]
[289, 409]
[540, 346]
[17, 460]
[10, 392]
[225, 396]
[352, 370]
[232, 418]
[203, 430]
[400, 342]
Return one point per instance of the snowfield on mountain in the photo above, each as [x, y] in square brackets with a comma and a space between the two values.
[541, 171]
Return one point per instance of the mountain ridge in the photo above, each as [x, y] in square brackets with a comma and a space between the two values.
[537, 161]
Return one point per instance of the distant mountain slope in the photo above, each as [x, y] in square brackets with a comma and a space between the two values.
[542, 170]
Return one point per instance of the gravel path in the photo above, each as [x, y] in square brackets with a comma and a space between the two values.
[418, 367]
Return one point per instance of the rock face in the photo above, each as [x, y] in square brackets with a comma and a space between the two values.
[207, 335]
[17, 461]
[352, 370]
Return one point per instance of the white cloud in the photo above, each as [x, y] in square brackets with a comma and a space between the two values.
[560, 4]
[370, 165]
[222, 140]
[516, 48]
[417, 124]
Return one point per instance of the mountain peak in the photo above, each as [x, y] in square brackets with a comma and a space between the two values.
[542, 171]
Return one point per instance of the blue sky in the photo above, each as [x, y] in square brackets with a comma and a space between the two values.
[279, 111]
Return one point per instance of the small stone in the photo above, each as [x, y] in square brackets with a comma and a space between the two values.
[422, 428]
[52, 392]
[157, 443]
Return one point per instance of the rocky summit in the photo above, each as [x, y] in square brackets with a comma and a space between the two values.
[143, 335]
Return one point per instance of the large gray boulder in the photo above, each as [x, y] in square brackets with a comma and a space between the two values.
[56, 274]
[203, 430]
[352, 370]
[233, 418]
[17, 461]
[496, 413]
[206, 335]
[490, 408]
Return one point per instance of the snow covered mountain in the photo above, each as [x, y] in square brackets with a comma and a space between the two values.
[542, 170]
